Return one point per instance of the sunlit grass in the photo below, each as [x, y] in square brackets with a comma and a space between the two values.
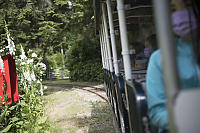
[72, 112]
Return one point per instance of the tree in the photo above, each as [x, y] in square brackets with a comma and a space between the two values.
[50, 25]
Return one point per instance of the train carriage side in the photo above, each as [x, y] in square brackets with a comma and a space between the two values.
[130, 21]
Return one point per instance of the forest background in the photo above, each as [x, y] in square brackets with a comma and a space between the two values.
[58, 33]
[62, 32]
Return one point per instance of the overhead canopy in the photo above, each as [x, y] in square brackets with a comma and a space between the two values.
[137, 12]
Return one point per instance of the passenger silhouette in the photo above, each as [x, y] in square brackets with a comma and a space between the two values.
[150, 46]
[185, 24]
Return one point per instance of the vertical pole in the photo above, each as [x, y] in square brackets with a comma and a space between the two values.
[63, 58]
[112, 34]
[108, 70]
[101, 45]
[107, 39]
[63, 62]
[168, 51]
[105, 47]
[115, 91]
[127, 61]
[124, 39]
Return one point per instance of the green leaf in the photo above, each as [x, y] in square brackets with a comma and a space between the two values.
[14, 119]
[12, 107]
[6, 129]
[42, 120]
[3, 114]
[20, 123]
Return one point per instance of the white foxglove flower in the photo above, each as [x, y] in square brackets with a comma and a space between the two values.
[23, 63]
[11, 45]
[33, 77]
[41, 90]
[34, 55]
[27, 76]
[43, 65]
[1, 50]
[23, 55]
[29, 61]
[29, 79]
[2, 65]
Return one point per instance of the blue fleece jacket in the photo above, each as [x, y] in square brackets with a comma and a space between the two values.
[155, 85]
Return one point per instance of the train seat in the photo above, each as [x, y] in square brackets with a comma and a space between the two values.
[187, 110]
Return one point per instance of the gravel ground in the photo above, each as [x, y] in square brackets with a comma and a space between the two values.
[79, 109]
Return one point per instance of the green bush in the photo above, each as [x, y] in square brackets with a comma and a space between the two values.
[84, 60]
[88, 71]
[55, 61]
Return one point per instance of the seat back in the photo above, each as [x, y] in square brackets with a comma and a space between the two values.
[187, 109]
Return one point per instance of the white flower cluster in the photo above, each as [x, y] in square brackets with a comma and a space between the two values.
[29, 61]
[11, 45]
[31, 70]
[42, 65]
[34, 55]
[1, 65]
[23, 55]
[2, 50]
[29, 76]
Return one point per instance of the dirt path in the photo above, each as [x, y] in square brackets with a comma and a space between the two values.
[79, 109]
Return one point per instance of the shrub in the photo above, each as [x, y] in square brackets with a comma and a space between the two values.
[27, 115]
[90, 70]
[55, 61]
[84, 60]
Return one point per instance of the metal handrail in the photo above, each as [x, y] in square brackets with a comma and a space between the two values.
[136, 7]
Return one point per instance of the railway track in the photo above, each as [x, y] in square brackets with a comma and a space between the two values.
[95, 89]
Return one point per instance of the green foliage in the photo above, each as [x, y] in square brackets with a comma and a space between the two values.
[55, 61]
[83, 60]
[46, 25]
[35, 24]
[87, 71]
[27, 115]
[50, 24]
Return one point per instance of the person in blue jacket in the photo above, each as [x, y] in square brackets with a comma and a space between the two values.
[185, 24]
